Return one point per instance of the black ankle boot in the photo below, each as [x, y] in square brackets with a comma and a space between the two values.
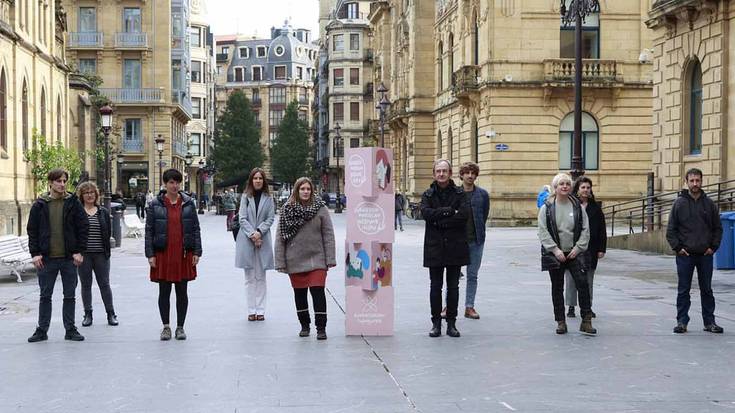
[320, 320]
[112, 319]
[436, 328]
[452, 329]
[305, 321]
[87, 321]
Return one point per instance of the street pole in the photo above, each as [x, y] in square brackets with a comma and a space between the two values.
[108, 184]
[336, 142]
[577, 165]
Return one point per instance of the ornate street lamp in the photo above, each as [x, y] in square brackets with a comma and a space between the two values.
[120, 162]
[382, 107]
[106, 120]
[336, 146]
[576, 13]
[159, 148]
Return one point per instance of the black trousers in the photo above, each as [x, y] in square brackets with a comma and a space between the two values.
[319, 298]
[164, 301]
[579, 275]
[436, 275]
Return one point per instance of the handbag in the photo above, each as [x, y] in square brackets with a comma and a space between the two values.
[235, 226]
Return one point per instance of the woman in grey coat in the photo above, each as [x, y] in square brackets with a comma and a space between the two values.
[253, 246]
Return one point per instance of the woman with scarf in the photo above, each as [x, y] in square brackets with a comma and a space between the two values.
[305, 250]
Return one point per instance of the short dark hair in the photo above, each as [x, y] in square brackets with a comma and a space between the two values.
[469, 167]
[693, 171]
[57, 173]
[172, 173]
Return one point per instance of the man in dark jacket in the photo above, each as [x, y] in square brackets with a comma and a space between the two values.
[400, 202]
[694, 233]
[57, 237]
[140, 204]
[445, 209]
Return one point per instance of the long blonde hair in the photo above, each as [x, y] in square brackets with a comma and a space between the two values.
[88, 186]
[294, 197]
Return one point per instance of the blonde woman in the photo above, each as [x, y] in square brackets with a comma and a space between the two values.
[305, 250]
[563, 229]
[97, 254]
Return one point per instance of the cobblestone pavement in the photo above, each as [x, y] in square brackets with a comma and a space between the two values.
[509, 360]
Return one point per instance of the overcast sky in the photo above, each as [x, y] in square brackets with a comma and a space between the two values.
[248, 16]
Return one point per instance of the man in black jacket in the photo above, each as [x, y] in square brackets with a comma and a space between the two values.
[694, 232]
[57, 237]
[445, 209]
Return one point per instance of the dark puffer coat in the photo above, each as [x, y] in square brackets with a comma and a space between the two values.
[446, 212]
[156, 225]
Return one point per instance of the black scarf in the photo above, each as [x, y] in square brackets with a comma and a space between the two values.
[295, 215]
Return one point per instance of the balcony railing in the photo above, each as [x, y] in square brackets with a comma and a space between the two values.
[132, 145]
[182, 99]
[465, 81]
[6, 14]
[86, 40]
[593, 70]
[131, 40]
[148, 95]
[398, 108]
[222, 57]
[179, 148]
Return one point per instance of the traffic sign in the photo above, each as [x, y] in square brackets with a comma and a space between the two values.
[502, 147]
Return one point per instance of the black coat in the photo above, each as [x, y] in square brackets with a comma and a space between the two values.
[694, 224]
[446, 212]
[156, 226]
[75, 226]
[105, 228]
[598, 232]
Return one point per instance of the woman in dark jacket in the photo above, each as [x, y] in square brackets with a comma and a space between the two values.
[97, 254]
[445, 209]
[173, 246]
[598, 240]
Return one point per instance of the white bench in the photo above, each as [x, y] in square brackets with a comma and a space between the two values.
[133, 226]
[13, 255]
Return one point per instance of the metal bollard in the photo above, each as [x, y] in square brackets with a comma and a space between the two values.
[117, 227]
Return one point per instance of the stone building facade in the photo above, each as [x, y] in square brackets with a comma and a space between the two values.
[33, 98]
[492, 82]
[141, 51]
[272, 72]
[692, 88]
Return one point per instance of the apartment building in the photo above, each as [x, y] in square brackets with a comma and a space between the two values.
[141, 51]
[272, 72]
[33, 98]
[346, 88]
[492, 82]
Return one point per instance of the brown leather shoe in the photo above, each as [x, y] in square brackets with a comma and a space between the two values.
[470, 312]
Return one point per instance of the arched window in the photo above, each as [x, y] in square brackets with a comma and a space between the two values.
[3, 112]
[59, 135]
[693, 108]
[438, 144]
[475, 39]
[440, 66]
[590, 142]
[450, 57]
[24, 116]
[450, 145]
[43, 112]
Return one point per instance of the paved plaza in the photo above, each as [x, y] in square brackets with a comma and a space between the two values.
[509, 360]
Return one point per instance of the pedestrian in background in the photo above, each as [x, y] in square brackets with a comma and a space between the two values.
[253, 246]
[305, 250]
[563, 229]
[173, 246]
[694, 233]
[57, 237]
[325, 197]
[400, 206]
[140, 205]
[445, 209]
[597, 245]
[542, 195]
[97, 254]
[148, 198]
[229, 204]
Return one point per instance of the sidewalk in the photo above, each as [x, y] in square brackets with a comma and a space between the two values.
[509, 360]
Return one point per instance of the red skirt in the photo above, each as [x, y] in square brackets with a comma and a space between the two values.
[314, 278]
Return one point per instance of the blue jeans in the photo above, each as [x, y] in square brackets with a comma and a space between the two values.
[685, 269]
[47, 281]
[399, 220]
[472, 269]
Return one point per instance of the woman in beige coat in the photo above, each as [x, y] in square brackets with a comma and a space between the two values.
[305, 250]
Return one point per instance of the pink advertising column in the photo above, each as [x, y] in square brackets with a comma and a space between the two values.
[369, 245]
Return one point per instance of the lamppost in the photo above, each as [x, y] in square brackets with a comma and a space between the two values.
[578, 11]
[120, 162]
[382, 107]
[336, 145]
[106, 119]
[159, 148]
[200, 185]
[189, 160]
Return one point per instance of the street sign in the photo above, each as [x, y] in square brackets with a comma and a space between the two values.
[502, 147]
